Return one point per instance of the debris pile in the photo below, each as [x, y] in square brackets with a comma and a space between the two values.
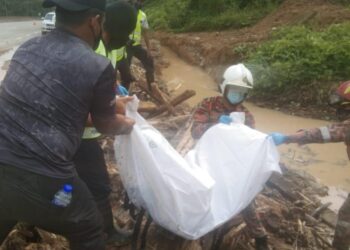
[289, 205]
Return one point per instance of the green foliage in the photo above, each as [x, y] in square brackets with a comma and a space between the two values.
[200, 15]
[20, 7]
[345, 2]
[300, 56]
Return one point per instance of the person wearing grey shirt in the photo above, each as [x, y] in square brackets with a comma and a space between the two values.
[52, 84]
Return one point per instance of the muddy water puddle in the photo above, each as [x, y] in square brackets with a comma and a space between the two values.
[181, 76]
[327, 162]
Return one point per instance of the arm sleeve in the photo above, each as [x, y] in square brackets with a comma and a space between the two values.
[103, 104]
[336, 132]
[144, 22]
[249, 118]
[201, 120]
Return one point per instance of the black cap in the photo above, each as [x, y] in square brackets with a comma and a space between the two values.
[119, 23]
[76, 5]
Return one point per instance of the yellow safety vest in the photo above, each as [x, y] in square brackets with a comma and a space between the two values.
[111, 55]
[137, 34]
[121, 53]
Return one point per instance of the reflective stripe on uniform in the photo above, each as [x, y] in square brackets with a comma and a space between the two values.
[91, 133]
[121, 53]
[111, 55]
[326, 135]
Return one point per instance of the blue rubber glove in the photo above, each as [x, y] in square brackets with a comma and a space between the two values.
[225, 119]
[122, 90]
[278, 138]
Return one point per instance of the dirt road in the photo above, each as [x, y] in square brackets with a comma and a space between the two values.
[327, 162]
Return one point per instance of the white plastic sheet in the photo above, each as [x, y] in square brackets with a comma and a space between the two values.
[215, 181]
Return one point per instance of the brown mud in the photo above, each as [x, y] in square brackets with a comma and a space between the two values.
[214, 51]
[289, 206]
[327, 162]
[286, 206]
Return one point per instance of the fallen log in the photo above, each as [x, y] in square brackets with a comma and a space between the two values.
[163, 99]
[320, 209]
[147, 107]
[283, 186]
[174, 102]
[154, 97]
[329, 217]
[183, 140]
[174, 121]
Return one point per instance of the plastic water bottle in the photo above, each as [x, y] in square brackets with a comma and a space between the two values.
[64, 196]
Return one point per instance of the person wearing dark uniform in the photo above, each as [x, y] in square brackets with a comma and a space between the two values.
[89, 159]
[53, 83]
[135, 48]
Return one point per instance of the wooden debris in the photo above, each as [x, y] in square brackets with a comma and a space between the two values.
[287, 205]
[174, 102]
[163, 98]
[320, 209]
[329, 217]
[282, 185]
[147, 107]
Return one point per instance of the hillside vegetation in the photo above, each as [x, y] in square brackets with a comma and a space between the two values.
[299, 56]
[200, 15]
[297, 49]
[20, 7]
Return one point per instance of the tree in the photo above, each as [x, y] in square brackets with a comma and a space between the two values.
[20, 7]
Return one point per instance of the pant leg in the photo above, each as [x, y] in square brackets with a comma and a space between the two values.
[147, 62]
[6, 224]
[129, 54]
[92, 169]
[27, 197]
[342, 231]
[125, 75]
[254, 225]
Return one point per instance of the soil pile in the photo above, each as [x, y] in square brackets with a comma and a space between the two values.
[289, 206]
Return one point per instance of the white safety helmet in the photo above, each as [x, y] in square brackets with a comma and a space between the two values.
[237, 75]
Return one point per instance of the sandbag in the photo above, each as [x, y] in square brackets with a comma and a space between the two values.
[193, 195]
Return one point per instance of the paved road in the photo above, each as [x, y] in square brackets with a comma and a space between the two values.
[15, 33]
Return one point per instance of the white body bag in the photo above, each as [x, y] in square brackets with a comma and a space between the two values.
[193, 195]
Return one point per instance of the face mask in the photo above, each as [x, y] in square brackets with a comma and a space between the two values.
[235, 97]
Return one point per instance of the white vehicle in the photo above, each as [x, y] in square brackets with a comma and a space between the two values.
[48, 23]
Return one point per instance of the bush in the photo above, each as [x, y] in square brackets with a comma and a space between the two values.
[299, 56]
[201, 15]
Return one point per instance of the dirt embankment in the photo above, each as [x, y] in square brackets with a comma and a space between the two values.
[214, 51]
